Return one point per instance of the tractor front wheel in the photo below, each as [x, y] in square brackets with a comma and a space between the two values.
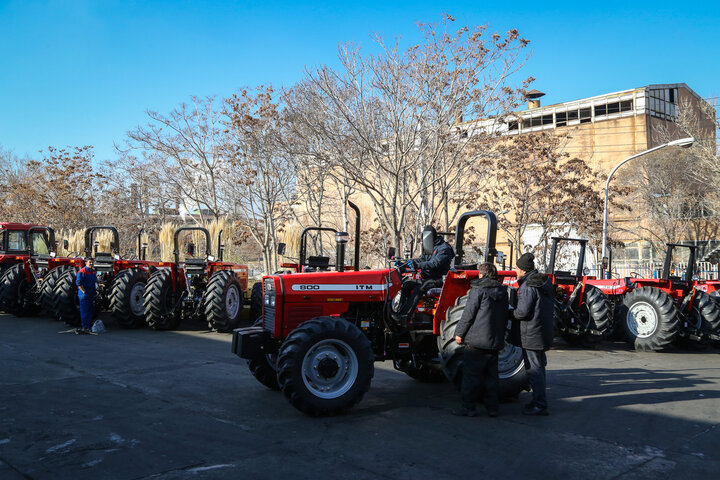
[650, 318]
[596, 319]
[223, 301]
[126, 297]
[325, 366]
[46, 295]
[264, 367]
[160, 302]
[511, 368]
[16, 292]
[256, 300]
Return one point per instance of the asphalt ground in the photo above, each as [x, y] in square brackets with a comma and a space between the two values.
[141, 404]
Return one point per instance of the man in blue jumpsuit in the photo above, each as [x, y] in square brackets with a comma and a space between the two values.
[85, 281]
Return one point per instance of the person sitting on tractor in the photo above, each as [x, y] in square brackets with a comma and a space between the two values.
[433, 265]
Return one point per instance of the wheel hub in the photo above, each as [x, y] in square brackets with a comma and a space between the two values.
[232, 301]
[136, 299]
[330, 368]
[642, 319]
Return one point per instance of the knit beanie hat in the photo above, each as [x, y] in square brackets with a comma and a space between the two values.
[526, 262]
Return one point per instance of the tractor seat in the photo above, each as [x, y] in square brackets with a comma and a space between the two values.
[318, 262]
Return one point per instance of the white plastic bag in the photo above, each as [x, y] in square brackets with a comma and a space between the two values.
[98, 327]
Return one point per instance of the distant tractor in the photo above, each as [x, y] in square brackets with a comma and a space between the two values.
[22, 249]
[657, 311]
[204, 288]
[121, 282]
[583, 314]
[321, 332]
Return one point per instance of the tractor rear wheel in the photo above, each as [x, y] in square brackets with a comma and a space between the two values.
[264, 368]
[223, 301]
[160, 302]
[66, 304]
[325, 366]
[16, 292]
[596, 315]
[708, 305]
[256, 300]
[126, 297]
[46, 295]
[511, 368]
[650, 318]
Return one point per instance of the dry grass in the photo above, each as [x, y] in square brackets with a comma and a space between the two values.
[167, 230]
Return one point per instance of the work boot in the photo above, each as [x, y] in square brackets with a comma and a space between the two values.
[464, 412]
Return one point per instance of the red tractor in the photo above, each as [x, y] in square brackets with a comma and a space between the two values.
[583, 314]
[203, 288]
[24, 248]
[322, 332]
[121, 282]
[657, 311]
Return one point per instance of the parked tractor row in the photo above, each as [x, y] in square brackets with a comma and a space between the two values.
[135, 290]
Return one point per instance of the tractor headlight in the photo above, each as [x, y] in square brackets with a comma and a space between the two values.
[272, 301]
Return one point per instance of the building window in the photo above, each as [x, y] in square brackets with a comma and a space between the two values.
[613, 108]
[626, 106]
[513, 125]
[585, 115]
[561, 119]
[600, 110]
[547, 119]
[572, 115]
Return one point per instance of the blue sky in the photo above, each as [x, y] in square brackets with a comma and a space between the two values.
[81, 72]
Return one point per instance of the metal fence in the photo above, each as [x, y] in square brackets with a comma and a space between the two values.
[705, 270]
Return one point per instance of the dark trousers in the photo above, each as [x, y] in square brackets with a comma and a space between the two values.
[480, 378]
[535, 363]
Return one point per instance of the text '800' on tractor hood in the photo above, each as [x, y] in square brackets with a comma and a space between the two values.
[364, 285]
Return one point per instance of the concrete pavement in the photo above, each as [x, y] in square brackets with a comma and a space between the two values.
[141, 404]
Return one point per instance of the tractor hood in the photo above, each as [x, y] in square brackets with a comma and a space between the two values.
[338, 286]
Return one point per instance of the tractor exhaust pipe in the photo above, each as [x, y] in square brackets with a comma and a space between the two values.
[341, 239]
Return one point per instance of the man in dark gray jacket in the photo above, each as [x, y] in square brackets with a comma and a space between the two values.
[482, 330]
[532, 328]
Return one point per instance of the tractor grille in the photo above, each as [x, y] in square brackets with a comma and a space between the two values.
[269, 318]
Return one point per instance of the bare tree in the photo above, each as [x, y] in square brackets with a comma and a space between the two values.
[537, 184]
[186, 146]
[263, 179]
[397, 115]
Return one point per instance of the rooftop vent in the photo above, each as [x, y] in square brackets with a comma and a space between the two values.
[533, 97]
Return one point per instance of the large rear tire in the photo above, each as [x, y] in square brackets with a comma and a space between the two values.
[708, 306]
[66, 304]
[650, 319]
[126, 297]
[223, 301]
[46, 294]
[16, 292]
[264, 367]
[511, 367]
[595, 322]
[160, 302]
[325, 366]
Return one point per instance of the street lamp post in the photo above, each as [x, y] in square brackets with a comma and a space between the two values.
[683, 142]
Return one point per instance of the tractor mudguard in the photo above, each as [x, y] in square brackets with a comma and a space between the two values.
[251, 342]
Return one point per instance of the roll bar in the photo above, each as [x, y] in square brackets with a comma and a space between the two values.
[303, 241]
[90, 232]
[691, 260]
[204, 230]
[490, 252]
[581, 260]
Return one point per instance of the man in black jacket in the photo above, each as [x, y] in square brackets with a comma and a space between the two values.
[532, 328]
[433, 264]
[482, 330]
